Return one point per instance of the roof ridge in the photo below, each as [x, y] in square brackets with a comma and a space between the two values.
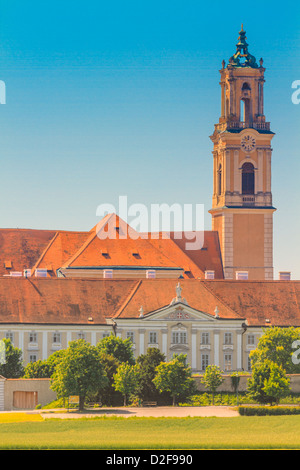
[45, 251]
[203, 281]
[131, 294]
[89, 240]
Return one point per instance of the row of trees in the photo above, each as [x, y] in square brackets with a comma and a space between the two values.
[107, 372]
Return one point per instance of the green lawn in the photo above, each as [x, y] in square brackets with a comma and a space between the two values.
[263, 432]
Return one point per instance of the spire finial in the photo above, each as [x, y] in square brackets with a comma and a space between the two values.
[242, 57]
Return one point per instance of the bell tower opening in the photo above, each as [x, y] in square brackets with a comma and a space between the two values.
[245, 110]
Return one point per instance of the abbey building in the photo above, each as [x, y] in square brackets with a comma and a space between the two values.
[210, 303]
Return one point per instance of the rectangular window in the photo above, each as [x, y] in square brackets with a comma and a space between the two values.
[249, 363]
[81, 335]
[32, 358]
[32, 337]
[227, 362]
[104, 335]
[204, 361]
[130, 335]
[153, 337]
[251, 340]
[56, 338]
[9, 335]
[151, 274]
[205, 338]
[108, 273]
[179, 337]
[241, 275]
[228, 338]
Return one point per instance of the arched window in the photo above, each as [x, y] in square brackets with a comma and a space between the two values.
[219, 180]
[246, 86]
[247, 178]
[245, 103]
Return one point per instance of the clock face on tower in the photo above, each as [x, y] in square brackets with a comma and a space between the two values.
[248, 143]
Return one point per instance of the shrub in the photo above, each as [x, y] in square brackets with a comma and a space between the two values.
[268, 410]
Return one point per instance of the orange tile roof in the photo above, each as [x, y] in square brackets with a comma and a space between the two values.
[59, 249]
[194, 261]
[74, 301]
[106, 245]
[60, 301]
[114, 243]
[22, 247]
[258, 301]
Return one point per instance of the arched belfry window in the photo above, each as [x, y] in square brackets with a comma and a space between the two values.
[246, 86]
[248, 178]
[219, 180]
[245, 103]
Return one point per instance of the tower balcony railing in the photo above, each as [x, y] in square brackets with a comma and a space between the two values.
[260, 126]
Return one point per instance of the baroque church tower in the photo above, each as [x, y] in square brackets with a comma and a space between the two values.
[242, 210]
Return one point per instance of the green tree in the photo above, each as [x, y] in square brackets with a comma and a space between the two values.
[212, 379]
[175, 377]
[108, 394]
[79, 372]
[43, 369]
[11, 363]
[147, 364]
[276, 345]
[117, 347]
[235, 382]
[126, 380]
[268, 382]
[37, 370]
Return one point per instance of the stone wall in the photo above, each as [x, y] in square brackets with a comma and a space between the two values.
[39, 387]
[226, 385]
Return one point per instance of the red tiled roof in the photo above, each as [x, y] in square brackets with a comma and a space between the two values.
[58, 250]
[74, 301]
[22, 247]
[258, 301]
[155, 294]
[60, 301]
[114, 243]
[105, 245]
[194, 261]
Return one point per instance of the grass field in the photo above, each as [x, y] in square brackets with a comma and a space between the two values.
[265, 432]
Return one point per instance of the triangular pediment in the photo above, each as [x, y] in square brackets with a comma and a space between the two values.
[178, 312]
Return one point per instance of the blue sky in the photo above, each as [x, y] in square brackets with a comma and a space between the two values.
[119, 98]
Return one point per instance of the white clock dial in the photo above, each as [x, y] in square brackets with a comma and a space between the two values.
[248, 143]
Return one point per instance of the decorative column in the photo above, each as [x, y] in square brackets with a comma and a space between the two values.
[93, 338]
[164, 342]
[217, 347]
[69, 337]
[236, 178]
[259, 173]
[194, 349]
[21, 342]
[268, 170]
[142, 341]
[227, 171]
[239, 351]
[45, 345]
[222, 99]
